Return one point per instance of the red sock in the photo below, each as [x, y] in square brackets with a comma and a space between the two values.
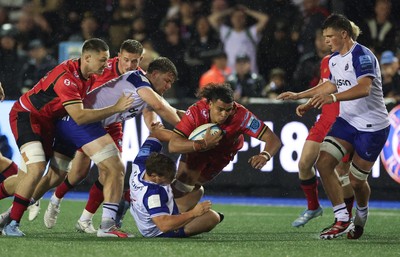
[310, 189]
[20, 205]
[96, 197]
[3, 192]
[62, 189]
[127, 195]
[9, 171]
[349, 205]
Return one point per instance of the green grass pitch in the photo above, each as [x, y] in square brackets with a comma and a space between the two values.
[246, 231]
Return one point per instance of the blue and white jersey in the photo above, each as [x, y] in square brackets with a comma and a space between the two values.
[109, 93]
[149, 199]
[368, 113]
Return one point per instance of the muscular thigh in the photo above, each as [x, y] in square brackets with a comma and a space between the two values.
[27, 127]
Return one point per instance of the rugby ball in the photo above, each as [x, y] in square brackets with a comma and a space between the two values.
[201, 130]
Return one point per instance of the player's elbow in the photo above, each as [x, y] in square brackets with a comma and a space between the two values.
[172, 147]
[164, 228]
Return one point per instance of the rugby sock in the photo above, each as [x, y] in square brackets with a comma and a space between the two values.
[341, 213]
[20, 205]
[362, 213]
[310, 189]
[96, 197]
[55, 200]
[9, 171]
[3, 192]
[86, 215]
[349, 205]
[109, 215]
[63, 188]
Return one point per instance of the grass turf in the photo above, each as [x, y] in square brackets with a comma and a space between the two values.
[245, 231]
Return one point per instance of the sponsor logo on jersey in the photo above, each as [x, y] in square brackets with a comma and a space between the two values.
[204, 112]
[67, 82]
[342, 82]
[390, 154]
[346, 67]
[253, 124]
[365, 62]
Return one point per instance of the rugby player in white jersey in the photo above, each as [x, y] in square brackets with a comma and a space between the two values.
[362, 126]
[153, 207]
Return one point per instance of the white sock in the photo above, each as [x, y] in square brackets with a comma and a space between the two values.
[86, 215]
[55, 200]
[341, 213]
[361, 216]
[109, 214]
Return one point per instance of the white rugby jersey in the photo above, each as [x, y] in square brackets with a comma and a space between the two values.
[109, 93]
[367, 113]
[149, 199]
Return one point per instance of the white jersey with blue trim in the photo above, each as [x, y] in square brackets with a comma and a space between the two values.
[367, 113]
[149, 199]
[109, 93]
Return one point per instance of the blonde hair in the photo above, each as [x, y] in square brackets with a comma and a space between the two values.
[356, 30]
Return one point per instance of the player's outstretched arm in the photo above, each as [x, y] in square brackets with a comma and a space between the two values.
[159, 105]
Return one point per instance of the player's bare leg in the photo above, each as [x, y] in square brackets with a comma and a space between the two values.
[107, 158]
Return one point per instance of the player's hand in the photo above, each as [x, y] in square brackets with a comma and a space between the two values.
[319, 100]
[201, 208]
[303, 108]
[288, 96]
[258, 161]
[124, 102]
[2, 95]
[212, 140]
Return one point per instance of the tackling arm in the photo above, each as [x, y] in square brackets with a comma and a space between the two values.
[85, 116]
[159, 105]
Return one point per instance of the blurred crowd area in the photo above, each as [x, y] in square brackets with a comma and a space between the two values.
[261, 47]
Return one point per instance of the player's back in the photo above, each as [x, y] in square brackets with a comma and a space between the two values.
[109, 93]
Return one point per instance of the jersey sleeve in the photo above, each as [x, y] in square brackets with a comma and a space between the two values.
[364, 63]
[155, 201]
[68, 90]
[138, 79]
[187, 123]
[251, 125]
[149, 146]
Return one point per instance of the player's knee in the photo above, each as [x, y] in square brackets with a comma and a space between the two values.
[33, 154]
[182, 187]
[108, 151]
[333, 148]
[60, 165]
[359, 176]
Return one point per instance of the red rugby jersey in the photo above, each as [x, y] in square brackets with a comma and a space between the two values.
[240, 122]
[60, 87]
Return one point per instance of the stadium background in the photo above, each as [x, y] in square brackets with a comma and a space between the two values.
[278, 178]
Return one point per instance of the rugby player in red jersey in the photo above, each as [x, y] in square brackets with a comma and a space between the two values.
[203, 160]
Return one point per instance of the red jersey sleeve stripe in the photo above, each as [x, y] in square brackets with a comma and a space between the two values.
[77, 101]
[262, 132]
[180, 133]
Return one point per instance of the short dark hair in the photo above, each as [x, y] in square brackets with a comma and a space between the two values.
[213, 92]
[164, 65]
[338, 22]
[160, 164]
[95, 44]
[132, 46]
